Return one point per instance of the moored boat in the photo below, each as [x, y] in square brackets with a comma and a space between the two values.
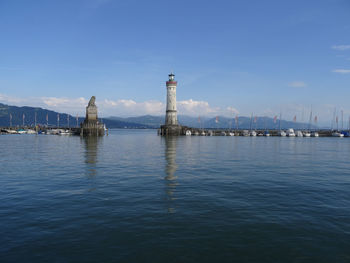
[29, 131]
[307, 134]
[282, 133]
[337, 134]
[245, 133]
[11, 131]
[21, 131]
[315, 134]
[266, 133]
[346, 134]
[65, 132]
[290, 132]
[299, 134]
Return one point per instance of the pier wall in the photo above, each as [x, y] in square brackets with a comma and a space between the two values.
[165, 131]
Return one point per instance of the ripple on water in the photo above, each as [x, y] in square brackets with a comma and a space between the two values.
[133, 196]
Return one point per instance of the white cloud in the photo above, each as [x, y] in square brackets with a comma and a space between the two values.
[341, 71]
[341, 47]
[122, 107]
[232, 110]
[67, 105]
[9, 99]
[130, 107]
[297, 84]
[193, 107]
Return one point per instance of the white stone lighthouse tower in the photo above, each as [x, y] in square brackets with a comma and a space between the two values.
[171, 112]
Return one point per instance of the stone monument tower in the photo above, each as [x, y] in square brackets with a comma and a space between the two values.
[91, 125]
[91, 110]
[171, 126]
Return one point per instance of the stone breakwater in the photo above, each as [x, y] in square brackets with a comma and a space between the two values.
[225, 132]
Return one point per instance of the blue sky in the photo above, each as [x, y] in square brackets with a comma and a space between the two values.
[253, 56]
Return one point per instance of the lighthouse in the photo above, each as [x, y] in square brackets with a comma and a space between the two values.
[171, 126]
[171, 112]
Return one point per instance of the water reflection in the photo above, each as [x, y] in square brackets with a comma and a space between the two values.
[170, 169]
[91, 153]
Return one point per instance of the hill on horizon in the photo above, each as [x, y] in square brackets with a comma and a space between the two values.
[52, 117]
[211, 123]
[140, 122]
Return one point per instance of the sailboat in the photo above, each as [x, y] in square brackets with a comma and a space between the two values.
[251, 132]
[230, 132]
[266, 132]
[345, 133]
[281, 133]
[315, 133]
[299, 134]
[307, 132]
[236, 121]
[336, 133]
[30, 131]
[348, 132]
[290, 133]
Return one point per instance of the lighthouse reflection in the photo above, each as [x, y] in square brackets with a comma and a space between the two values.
[91, 152]
[170, 169]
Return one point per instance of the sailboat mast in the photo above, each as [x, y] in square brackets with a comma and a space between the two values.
[302, 118]
[310, 119]
[256, 122]
[332, 126]
[280, 120]
[251, 117]
[236, 120]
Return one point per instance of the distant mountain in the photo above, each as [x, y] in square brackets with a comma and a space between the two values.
[146, 121]
[211, 123]
[29, 118]
[156, 121]
[248, 123]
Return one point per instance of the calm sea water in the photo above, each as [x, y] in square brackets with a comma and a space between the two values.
[134, 196]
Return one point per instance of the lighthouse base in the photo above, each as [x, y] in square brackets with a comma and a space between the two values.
[171, 130]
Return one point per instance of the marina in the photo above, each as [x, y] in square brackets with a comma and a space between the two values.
[262, 133]
[90, 127]
[186, 131]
